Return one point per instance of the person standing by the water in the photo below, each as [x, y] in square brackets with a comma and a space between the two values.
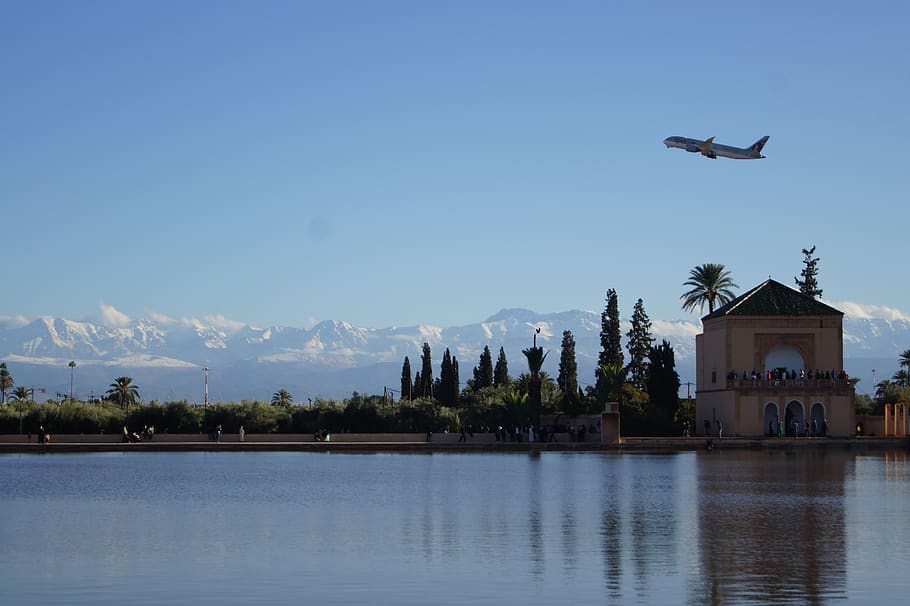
[242, 433]
[218, 434]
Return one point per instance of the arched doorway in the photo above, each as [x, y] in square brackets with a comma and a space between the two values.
[818, 426]
[794, 419]
[772, 419]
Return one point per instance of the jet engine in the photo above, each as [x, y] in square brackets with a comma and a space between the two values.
[691, 147]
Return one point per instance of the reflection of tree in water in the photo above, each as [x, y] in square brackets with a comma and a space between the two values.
[653, 525]
[611, 535]
[639, 525]
[771, 527]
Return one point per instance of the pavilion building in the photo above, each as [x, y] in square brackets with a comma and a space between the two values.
[771, 362]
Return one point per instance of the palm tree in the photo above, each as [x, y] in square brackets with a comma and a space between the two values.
[711, 284]
[613, 376]
[902, 378]
[905, 360]
[6, 382]
[282, 397]
[536, 356]
[123, 392]
[22, 394]
[515, 402]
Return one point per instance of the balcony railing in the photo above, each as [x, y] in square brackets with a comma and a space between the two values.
[808, 384]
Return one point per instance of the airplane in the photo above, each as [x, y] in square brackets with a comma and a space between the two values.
[712, 150]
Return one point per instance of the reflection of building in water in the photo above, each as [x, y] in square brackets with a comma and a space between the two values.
[774, 530]
[771, 362]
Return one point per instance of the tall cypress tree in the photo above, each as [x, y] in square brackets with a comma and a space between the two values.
[426, 373]
[610, 338]
[663, 381]
[501, 376]
[639, 346]
[568, 367]
[406, 379]
[448, 380]
[809, 284]
[483, 372]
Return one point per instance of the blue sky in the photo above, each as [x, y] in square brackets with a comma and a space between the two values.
[396, 163]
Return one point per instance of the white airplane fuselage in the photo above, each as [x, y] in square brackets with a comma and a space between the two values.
[712, 150]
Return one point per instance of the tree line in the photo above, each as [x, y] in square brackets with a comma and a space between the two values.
[646, 387]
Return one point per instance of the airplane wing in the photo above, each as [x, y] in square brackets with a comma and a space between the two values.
[706, 148]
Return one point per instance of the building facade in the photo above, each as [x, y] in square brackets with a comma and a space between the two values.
[771, 362]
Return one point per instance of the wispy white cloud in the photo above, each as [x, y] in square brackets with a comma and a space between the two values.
[859, 311]
[662, 328]
[110, 316]
[160, 318]
[216, 321]
[14, 321]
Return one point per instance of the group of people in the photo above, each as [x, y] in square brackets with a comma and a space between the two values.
[780, 374]
[795, 430]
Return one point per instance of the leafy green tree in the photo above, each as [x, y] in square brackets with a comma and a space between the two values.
[282, 397]
[6, 382]
[711, 284]
[568, 370]
[123, 393]
[639, 345]
[663, 385]
[406, 379]
[448, 380]
[809, 284]
[483, 372]
[863, 404]
[426, 373]
[501, 376]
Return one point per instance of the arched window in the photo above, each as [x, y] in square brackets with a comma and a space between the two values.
[784, 356]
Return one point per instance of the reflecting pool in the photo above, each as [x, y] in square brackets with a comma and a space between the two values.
[291, 528]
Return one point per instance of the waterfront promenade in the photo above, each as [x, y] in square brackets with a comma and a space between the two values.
[417, 443]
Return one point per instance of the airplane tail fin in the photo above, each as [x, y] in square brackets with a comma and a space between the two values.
[758, 145]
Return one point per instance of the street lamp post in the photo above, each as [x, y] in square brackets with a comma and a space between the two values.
[205, 402]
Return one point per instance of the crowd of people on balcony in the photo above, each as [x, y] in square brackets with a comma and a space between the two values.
[781, 375]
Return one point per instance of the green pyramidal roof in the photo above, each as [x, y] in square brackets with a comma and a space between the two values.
[772, 298]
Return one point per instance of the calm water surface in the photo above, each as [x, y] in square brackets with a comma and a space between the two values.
[292, 528]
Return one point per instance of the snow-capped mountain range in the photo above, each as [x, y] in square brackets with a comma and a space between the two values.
[332, 359]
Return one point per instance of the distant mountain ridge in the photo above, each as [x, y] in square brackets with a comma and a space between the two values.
[335, 358]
